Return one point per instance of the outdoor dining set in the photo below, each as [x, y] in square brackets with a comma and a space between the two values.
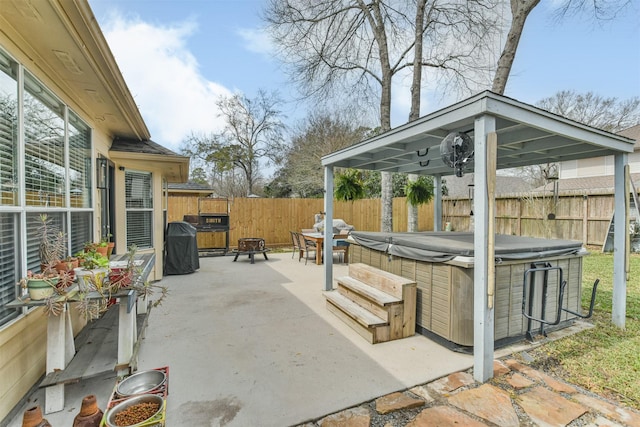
[309, 240]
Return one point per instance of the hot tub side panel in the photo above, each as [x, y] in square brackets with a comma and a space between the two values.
[445, 293]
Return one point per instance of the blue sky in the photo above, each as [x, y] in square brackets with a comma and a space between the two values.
[178, 56]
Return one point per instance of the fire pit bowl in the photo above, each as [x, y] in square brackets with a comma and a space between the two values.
[141, 382]
[129, 403]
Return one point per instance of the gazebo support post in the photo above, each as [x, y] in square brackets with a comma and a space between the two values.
[328, 228]
[437, 203]
[620, 240]
[483, 312]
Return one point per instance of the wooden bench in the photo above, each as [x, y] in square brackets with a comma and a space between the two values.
[380, 306]
[97, 352]
[116, 334]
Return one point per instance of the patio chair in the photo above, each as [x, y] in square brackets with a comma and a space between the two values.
[307, 246]
[295, 240]
[341, 245]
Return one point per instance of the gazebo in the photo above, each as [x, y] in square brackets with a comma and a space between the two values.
[505, 133]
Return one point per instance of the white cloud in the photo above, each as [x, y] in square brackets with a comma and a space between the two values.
[163, 77]
[257, 40]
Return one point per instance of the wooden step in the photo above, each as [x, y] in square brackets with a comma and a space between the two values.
[389, 283]
[369, 326]
[379, 297]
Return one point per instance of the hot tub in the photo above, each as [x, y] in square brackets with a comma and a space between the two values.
[441, 263]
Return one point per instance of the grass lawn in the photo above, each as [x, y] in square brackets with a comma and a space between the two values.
[603, 359]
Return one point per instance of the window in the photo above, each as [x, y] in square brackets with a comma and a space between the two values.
[33, 236]
[139, 206]
[51, 172]
[8, 131]
[8, 264]
[79, 162]
[44, 132]
[81, 224]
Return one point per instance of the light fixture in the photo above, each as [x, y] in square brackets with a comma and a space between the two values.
[551, 174]
[101, 173]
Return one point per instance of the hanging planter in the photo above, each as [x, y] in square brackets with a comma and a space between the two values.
[419, 191]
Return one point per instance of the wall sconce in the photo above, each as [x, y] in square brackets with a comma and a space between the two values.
[102, 164]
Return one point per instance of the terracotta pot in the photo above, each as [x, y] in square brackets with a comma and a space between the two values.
[67, 265]
[33, 418]
[110, 247]
[102, 250]
[90, 415]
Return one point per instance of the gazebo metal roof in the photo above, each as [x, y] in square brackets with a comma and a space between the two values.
[506, 133]
[526, 136]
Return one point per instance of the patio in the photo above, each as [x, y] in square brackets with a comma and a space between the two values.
[255, 345]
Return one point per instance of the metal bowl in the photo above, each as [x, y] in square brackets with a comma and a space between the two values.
[141, 382]
[132, 401]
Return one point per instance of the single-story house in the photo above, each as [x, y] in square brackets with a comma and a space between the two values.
[75, 146]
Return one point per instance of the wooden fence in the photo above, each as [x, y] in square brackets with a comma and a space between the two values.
[577, 216]
[573, 216]
[272, 219]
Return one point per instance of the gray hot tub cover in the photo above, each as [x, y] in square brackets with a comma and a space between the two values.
[440, 246]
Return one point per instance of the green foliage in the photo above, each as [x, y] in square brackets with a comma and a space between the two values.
[419, 191]
[349, 186]
[372, 184]
[319, 134]
[603, 359]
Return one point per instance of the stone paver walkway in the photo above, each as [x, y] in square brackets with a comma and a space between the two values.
[518, 395]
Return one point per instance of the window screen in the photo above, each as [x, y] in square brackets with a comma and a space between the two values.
[8, 264]
[139, 206]
[81, 225]
[44, 146]
[79, 162]
[8, 131]
[33, 236]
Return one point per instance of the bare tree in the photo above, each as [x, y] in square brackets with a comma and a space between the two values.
[609, 114]
[318, 134]
[520, 10]
[253, 132]
[338, 47]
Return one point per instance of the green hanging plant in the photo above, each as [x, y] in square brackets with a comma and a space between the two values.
[419, 191]
[349, 186]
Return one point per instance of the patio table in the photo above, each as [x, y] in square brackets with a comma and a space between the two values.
[318, 239]
[60, 341]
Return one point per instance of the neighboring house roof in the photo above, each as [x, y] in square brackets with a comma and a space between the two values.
[190, 187]
[634, 133]
[591, 184]
[459, 187]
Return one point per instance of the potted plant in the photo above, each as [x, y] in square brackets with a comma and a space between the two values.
[41, 286]
[53, 243]
[106, 240]
[92, 271]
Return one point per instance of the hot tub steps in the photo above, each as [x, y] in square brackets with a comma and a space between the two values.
[380, 306]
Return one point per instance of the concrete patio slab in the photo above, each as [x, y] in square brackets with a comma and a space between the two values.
[253, 344]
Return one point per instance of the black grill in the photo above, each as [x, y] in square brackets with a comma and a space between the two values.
[211, 223]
